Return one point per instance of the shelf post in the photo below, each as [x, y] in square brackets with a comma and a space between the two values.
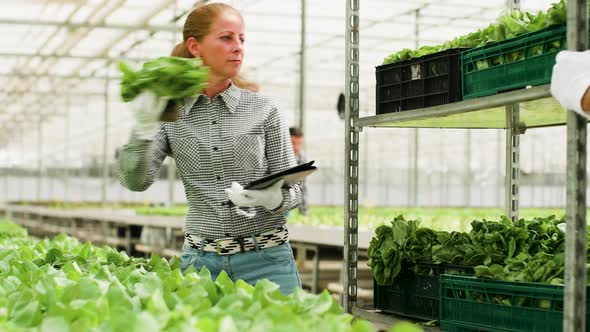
[512, 160]
[512, 148]
[351, 136]
[574, 316]
[414, 146]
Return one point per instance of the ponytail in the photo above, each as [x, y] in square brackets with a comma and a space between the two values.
[181, 51]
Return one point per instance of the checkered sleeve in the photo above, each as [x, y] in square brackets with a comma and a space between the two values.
[140, 160]
[280, 156]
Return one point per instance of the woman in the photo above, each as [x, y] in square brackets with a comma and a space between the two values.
[225, 137]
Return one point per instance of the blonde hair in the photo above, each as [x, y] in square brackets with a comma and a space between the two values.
[197, 25]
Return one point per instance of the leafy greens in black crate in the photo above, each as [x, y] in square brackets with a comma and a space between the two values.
[402, 241]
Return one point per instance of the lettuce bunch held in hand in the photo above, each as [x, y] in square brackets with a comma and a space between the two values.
[169, 77]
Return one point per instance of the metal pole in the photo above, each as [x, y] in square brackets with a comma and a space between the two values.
[23, 175]
[513, 131]
[574, 316]
[351, 136]
[415, 139]
[105, 142]
[413, 154]
[7, 174]
[39, 155]
[512, 161]
[67, 149]
[50, 178]
[513, 4]
[302, 68]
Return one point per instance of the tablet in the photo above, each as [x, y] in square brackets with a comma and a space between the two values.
[291, 175]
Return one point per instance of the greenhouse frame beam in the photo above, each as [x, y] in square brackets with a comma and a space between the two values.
[50, 93]
[102, 55]
[71, 56]
[87, 25]
[67, 48]
[59, 77]
[8, 126]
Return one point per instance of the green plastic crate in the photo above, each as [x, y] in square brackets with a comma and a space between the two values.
[450, 327]
[513, 63]
[472, 304]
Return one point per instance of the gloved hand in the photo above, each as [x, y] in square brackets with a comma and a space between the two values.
[147, 108]
[571, 79]
[269, 198]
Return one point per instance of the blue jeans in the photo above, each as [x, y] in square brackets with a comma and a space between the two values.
[275, 264]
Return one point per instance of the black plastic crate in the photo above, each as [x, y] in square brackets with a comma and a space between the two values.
[415, 295]
[430, 80]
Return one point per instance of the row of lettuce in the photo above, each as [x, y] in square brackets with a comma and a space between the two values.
[525, 250]
[60, 284]
[507, 26]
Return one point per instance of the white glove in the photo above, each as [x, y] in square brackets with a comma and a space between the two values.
[270, 198]
[147, 108]
[571, 79]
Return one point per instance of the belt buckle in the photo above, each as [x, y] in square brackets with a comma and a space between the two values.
[219, 243]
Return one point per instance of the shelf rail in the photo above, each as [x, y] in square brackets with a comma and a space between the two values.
[574, 317]
[351, 160]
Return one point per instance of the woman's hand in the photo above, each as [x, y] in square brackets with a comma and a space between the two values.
[270, 198]
[147, 109]
[571, 79]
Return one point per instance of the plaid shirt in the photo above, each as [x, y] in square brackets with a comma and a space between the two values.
[237, 136]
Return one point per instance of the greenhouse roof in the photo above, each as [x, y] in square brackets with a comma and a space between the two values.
[52, 50]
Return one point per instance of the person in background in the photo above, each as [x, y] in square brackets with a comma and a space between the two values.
[297, 142]
[570, 81]
[226, 136]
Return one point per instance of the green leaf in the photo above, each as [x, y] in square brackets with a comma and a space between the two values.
[227, 324]
[405, 327]
[225, 283]
[54, 324]
[26, 314]
[118, 298]
[511, 247]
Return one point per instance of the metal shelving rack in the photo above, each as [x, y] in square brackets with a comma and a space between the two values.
[514, 111]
